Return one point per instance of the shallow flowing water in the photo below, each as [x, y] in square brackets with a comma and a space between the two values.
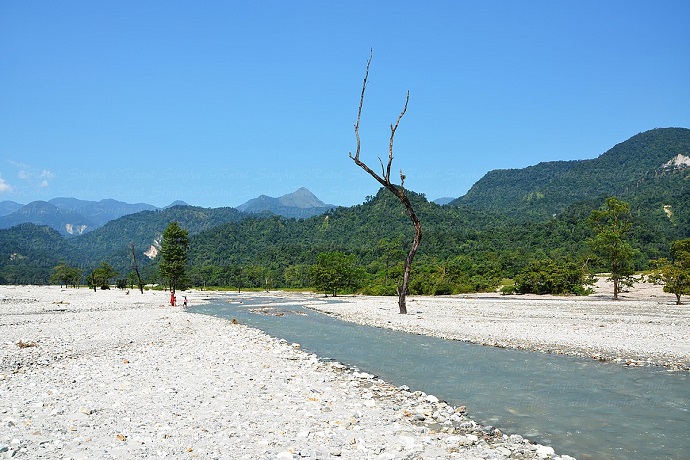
[582, 408]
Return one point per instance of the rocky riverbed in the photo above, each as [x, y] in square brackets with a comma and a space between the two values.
[644, 328]
[115, 375]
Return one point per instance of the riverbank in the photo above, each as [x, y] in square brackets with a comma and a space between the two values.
[108, 375]
[644, 327]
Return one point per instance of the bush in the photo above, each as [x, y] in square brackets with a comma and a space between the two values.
[442, 289]
[547, 276]
[380, 289]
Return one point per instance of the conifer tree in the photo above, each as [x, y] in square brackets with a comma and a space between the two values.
[174, 249]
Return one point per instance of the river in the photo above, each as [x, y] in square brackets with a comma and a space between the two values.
[580, 407]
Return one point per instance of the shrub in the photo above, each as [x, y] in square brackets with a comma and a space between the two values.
[547, 276]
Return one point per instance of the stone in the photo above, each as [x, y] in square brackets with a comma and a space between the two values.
[544, 451]
[466, 440]
[516, 439]
[363, 375]
[408, 442]
[10, 422]
[503, 451]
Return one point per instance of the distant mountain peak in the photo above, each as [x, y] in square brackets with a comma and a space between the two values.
[443, 200]
[301, 198]
[176, 203]
[299, 204]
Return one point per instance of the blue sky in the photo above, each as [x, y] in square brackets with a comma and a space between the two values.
[218, 102]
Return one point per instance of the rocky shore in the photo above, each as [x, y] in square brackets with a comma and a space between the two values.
[115, 375]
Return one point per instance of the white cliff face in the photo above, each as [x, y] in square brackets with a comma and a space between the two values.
[668, 210]
[152, 252]
[677, 162]
[75, 229]
[154, 249]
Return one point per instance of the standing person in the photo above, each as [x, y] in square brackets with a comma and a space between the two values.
[185, 301]
[172, 298]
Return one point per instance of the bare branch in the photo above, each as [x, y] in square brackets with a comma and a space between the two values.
[393, 129]
[361, 102]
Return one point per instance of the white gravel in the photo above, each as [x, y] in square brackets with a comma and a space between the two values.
[109, 375]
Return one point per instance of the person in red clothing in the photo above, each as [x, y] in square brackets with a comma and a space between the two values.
[172, 298]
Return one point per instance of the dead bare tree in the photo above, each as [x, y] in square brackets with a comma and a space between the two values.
[136, 267]
[398, 190]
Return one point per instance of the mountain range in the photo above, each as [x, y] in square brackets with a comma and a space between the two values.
[72, 217]
[508, 217]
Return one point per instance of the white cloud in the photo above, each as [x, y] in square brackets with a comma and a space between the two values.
[4, 186]
[19, 164]
[33, 176]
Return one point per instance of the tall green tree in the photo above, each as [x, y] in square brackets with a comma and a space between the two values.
[297, 276]
[334, 271]
[174, 249]
[66, 274]
[611, 223]
[102, 275]
[674, 274]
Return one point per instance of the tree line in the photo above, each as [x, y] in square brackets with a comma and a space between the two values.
[333, 271]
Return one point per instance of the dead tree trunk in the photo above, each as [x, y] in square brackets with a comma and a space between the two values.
[397, 190]
[136, 268]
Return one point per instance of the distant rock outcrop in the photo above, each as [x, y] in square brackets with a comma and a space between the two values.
[678, 162]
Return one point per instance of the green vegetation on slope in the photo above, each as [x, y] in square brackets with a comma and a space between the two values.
[468, 246]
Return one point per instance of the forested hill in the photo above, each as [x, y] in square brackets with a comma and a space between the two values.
[144, 230]
[471, 244]
[633, 170]
[29, 252]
